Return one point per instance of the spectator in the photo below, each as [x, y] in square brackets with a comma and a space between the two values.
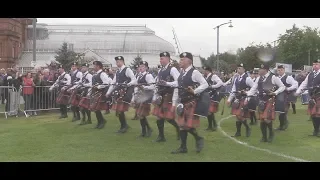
[2, 76]
[28, 91]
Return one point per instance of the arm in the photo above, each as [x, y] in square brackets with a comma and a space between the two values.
[175, 97]
[278, 82]
[149, 79]
[175, 74]
[303, 85]
[79, 76]
[105, 80]
[68, 81]
[217, 80]
[254, 89]
[249, 82]
[197, 77]
[111, 88]
[89, 84]
[130, 74]
[231, 96]
[292, 82]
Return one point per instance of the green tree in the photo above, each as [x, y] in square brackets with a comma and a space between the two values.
[66, 57]
[296, 44]
[136, 61]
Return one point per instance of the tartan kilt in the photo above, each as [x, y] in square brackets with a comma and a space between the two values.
[63, 97]
[99, 102]
[84, 102]
[291, 98]
[214, 107]
[269, 112]
[120, 106]
[75, 98]
[238, 110]
[314, 111]
[188, 120]
[164, 111]
[143, 109]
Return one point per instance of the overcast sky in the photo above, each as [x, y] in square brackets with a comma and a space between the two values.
[196, 35]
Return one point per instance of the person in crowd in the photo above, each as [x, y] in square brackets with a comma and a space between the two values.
[28, 89]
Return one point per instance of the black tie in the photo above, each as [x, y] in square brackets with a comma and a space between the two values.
[315, 74]
[262, 78]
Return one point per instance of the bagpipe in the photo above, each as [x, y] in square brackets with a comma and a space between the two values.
[201, 101]
[142, 93]
[77, 93]
[267, 100]
[63, 94]
[314, 95]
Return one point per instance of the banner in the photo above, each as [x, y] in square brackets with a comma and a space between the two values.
[307, 68]
[287, 67]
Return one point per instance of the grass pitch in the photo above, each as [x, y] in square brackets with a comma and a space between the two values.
[46, 138]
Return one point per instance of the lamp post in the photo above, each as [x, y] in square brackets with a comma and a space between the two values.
[218, 27]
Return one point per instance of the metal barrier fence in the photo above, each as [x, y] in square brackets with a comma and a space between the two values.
[10, 101]
[38, 98]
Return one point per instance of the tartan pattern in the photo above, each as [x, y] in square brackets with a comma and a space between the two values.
[75, 98]
[269, 113]
[63, 97]
[188, 119]
[214, 107]
[85, 102]
[315, 110]
[164, 111]
[98, 102]
[239, 113]
[120, 106]
[143, 109]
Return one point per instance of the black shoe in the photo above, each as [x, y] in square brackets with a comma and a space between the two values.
[101, 125]
[251, 123]
[209, 129]
[63, 116]
[180, 151]
[141, 136]
[149, 132]
[83, 122]
[160, 139]
[237, 134]
[199, 145]
[263, 139]
[271, 136]
[314, 133]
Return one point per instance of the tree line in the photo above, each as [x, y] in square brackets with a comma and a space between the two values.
[297, 46]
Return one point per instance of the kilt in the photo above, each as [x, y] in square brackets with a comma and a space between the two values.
[214, 107]
[63, 97]
[118, 104]
[143, 109]
[84, 102]
[99, 102]
[252, 104]
[269, 112]
[75, 97]
[314, 111]
[240, 111]
[188, 120]
[164, 110]
[291, 98]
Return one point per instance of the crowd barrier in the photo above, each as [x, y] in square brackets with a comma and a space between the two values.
[10, 101]
[13, 101]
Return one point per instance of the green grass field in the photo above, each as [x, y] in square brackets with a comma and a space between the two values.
[46, 138]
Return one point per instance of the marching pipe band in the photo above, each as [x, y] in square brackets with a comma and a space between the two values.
[181, 98]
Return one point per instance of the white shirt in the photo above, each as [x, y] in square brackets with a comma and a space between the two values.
[274, 80]
[129, 73]
[249, 83]
[78, 76]
[304, 84]
[215, 79]
[106, 80]
[87, 76]
[67, 82]
[196, 77]
[149, 79]
[294, 84]
[175, 74]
